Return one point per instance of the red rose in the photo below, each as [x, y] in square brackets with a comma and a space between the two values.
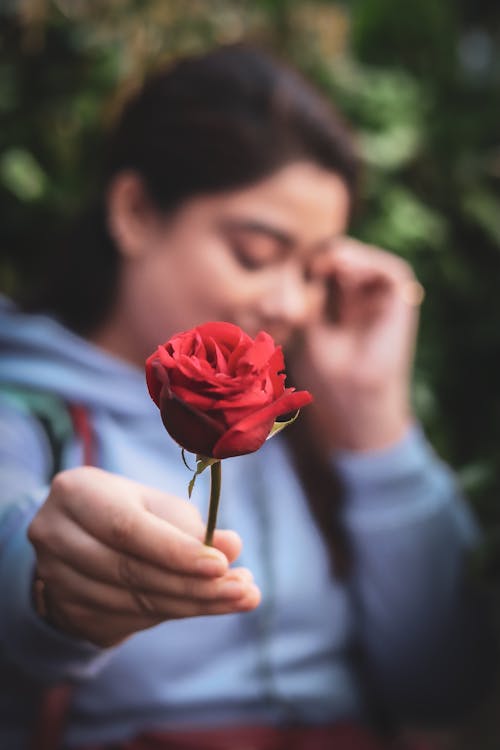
[219, 391]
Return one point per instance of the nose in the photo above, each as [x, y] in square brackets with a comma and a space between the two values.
[288, 299]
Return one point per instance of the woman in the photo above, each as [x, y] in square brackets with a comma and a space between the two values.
[226, 196]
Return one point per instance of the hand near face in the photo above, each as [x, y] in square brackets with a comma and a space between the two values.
[117, 557]
[357, 360]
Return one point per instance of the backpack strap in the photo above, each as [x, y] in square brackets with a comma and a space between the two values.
[60, 421]
[52, 715]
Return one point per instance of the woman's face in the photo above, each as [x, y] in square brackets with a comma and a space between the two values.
[244, 256]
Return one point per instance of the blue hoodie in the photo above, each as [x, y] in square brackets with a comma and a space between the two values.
[295, 658]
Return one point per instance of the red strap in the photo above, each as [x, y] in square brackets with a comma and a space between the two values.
[52, 713]
[83, 429]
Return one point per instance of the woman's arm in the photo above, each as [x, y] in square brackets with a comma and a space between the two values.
[424, 629]
[427, 640]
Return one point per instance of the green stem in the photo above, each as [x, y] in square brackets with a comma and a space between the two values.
[215, 484]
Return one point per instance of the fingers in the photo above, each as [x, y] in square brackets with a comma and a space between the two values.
[74, 547]
[109, 510]
[109, 629]
[367, 284]
[91, 559]
[351, 256]
[106, 614]
[178, 597]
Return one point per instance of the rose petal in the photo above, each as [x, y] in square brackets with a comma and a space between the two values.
[198, 400]
[215, 356]
[226, 334]
[194, 368]
[251, 432]
[154, 377]
[192, 429]
[258, 355]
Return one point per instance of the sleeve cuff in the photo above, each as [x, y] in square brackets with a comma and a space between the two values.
[408, 455]
[398, 485]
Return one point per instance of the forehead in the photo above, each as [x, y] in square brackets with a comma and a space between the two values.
[302, 199]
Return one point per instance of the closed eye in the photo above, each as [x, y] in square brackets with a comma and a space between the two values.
[255, 249]
[249, 258]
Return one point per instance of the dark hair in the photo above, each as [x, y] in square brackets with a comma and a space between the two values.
[207, 123]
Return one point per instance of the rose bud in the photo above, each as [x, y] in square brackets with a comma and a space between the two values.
[219, 391]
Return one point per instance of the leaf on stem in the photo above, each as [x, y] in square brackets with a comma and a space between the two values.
[202, 463]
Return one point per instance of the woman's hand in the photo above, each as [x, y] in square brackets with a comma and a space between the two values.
[357, 360]
[116, 557]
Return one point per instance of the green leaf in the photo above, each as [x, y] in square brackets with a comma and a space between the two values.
[22, 174]
[482, 206]
[202, 463]
[191, 485]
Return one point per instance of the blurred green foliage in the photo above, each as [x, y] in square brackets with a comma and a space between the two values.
[420, 84]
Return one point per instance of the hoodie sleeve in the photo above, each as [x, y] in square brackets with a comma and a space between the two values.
[26, 641]
[427, 642]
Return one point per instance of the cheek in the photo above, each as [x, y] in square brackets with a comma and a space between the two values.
[196, 285]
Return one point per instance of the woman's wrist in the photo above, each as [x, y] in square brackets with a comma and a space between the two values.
[364, 421]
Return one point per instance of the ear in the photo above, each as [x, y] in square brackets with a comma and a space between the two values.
[131, 216]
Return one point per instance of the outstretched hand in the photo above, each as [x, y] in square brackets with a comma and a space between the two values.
[116, 557]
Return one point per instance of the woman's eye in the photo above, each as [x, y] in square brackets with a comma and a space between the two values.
[246, 258]
[255, 255]
[254, 250]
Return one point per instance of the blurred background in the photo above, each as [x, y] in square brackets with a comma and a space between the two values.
[420, 83]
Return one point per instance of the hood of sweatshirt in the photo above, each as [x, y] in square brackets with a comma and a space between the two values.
[39, 353]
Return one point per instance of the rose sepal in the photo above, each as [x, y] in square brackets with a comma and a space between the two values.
[202, 463]
[278, 426]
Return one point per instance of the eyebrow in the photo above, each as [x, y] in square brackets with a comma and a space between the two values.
[285, 239]
[260, 227]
